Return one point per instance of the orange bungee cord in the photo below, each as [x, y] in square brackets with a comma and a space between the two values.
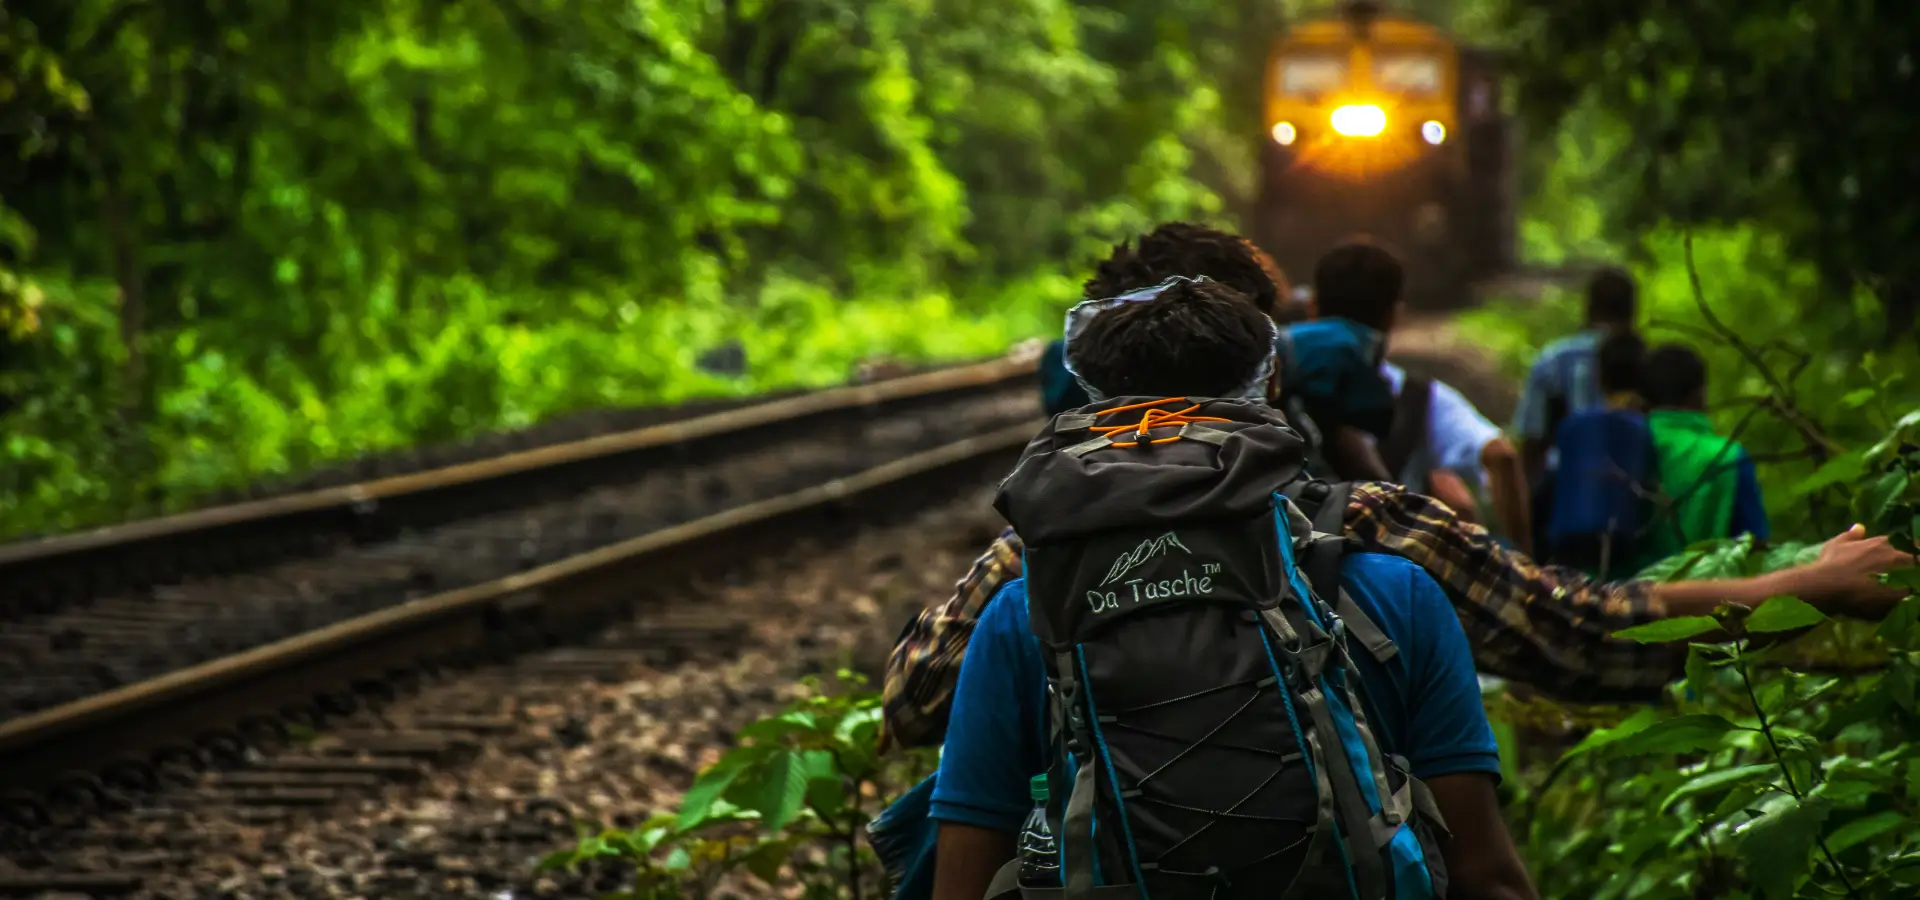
[1154, 417]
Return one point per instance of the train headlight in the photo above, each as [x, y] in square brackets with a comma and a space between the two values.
[1284, 134]
[1359, 121]
[1433, 132]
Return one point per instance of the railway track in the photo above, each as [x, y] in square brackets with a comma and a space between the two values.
[318, 637]
[47, 575]
[454, 779]
[384, 543]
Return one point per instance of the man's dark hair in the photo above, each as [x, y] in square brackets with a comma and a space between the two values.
[1673, 377]
[1611, 297]
[1198, 338]
[1619, 360]
[1184, 248]
[1359, 280]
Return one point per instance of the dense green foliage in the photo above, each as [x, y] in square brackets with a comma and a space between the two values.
[1775, 772]
[239, 239]
[1778, 113]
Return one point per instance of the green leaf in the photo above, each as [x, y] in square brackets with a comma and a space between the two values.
[1789, 554]
[698, 803]
[678, 861]
[1680, 734]
[1872, 505]
[1718, 779]
[767, 859]
[1784, 614]
[1857, 397]
[1902, 626]
[779, 789]
[1741, 798]
[1679, 628]
[1846, 467]
[1602, 737]
[774, 728]
[1778, 847]
[1700, 669]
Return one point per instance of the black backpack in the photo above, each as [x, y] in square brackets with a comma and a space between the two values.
[1199, 687]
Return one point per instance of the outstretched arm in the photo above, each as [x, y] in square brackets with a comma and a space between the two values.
[1553, 628]
[1840, 582]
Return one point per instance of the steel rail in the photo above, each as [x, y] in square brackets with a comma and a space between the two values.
[554, 600]
[152, 548]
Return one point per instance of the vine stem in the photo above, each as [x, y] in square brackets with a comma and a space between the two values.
[1766, 728]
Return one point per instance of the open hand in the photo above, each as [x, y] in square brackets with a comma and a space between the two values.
[1843, 576]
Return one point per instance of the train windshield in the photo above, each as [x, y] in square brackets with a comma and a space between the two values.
[1407, 73]
[1310, 75]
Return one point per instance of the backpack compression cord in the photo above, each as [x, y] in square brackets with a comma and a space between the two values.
[1199, 691]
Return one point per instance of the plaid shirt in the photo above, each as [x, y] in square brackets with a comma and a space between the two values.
[1545, 626]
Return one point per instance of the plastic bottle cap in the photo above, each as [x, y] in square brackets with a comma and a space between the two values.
[1038, 787]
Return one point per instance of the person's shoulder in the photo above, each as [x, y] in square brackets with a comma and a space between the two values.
[1006, 613]
[1395, 592]
[1559, 347]
[1392, 583]
[1370, 567]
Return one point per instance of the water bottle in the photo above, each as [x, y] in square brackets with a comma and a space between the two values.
[1039, 858]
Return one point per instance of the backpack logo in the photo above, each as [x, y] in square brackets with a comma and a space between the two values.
[1138, 590]
[1140, 555]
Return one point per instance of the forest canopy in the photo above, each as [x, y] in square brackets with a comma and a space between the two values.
[241, 239]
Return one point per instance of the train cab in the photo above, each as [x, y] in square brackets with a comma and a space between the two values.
[1381, 124]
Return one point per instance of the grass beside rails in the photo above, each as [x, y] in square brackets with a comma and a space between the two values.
[227, 411]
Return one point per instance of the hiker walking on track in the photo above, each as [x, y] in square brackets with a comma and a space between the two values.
[1245, 708]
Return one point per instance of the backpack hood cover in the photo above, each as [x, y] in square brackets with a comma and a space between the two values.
[1084, 312]
[1061, 489]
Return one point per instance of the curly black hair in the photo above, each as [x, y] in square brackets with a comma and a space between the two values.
[1184, 248]
[1611, 297]
[1359, 280]
[1673, 376]
[1197, 338]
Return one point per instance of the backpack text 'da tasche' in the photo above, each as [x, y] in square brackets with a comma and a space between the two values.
[1210, 736]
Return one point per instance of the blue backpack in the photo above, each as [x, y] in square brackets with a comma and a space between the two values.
[1601, 492]
[1331, 368]
[1059, 390]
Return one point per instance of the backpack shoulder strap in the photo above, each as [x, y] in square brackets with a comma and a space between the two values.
[1326, 506]
[1409, 431]
[1324, 503]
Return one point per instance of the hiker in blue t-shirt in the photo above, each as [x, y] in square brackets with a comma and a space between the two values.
[1423, 701]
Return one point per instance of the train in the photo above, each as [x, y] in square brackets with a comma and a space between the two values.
[1382, 124]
